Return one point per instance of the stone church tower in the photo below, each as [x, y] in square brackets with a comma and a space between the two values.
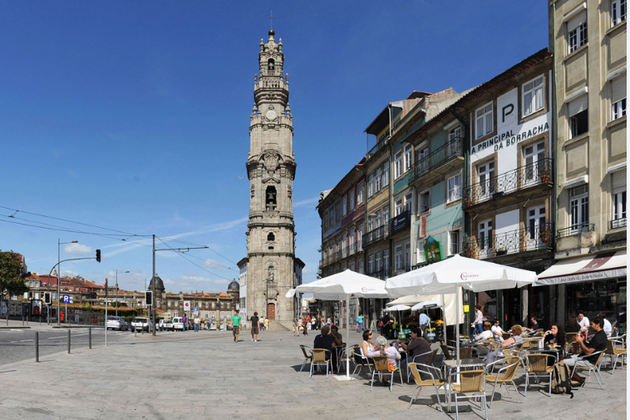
[271, 262]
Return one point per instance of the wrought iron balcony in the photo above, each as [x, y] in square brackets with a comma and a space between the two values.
[527, 176]
[575, 229]
[438, 158]
[618, 223]
[382, 274]
[375, 235]
[512, 242]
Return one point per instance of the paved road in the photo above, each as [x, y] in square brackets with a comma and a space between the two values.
[207, 376]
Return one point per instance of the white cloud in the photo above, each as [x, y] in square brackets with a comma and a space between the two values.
[305, 202]
[77, 249]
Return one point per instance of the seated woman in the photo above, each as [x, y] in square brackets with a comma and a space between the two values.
[326, 341]
[555, 335]
[366, 346]
[510, 343]
[486, 334]
[392, 354]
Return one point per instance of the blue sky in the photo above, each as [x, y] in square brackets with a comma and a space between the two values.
[126, 118]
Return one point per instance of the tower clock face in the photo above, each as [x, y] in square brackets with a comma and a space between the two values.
[271, 115]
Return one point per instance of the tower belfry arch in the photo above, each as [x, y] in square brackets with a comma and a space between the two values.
[271, 263]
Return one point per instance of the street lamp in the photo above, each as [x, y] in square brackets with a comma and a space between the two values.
[117, 289]
[59, 243]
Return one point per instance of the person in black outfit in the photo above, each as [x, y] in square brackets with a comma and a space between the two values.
[572, 325]
[597, 344]
[326, 341]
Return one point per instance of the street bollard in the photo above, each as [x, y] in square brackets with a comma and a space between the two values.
[37, 347]
[90, 337]
[69, 341]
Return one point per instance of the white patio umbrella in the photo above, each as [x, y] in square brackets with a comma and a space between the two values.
[431, 304]
[343, 286]
[449, 275]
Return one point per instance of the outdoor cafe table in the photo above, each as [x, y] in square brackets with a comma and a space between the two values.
[553, 351]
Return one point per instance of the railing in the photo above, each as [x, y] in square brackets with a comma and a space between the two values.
[375, 235]
[438, 157]
[382, 274]
[379, 144]
[519, 240]
[575, 229]
[618, 223]
[535, 173]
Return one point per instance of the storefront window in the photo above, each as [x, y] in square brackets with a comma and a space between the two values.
[608, 296]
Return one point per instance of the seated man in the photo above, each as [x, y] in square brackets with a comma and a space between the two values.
[416, 346]
[326, 341]
[597, 343]
[497, 330]
[486, 334]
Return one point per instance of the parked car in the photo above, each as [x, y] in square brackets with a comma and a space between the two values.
[117, 323]
[177, 324]
[140, 324]
[163, 325]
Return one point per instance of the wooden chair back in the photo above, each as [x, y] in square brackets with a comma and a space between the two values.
[380, 364]
[465, 352]
[571, 337]
[447, 353]
[506, 335]
[470, 381]
[319, 355]
[537, 363]
[432, 358]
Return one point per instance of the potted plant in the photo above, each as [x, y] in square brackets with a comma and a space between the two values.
[501, 251]
[544, 236]
[544, 178]
[467, 202]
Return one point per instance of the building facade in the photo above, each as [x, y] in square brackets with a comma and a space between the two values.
[271, 262]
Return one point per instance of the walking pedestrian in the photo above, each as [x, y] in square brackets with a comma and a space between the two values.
[185, 321]
[304, 325]
[296, 327]
[360, 323]
[255, 329]
[424, 322]
[267, 323]
[197, 322]
[236, 325]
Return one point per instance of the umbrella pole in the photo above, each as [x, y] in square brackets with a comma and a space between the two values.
[347, 335]
[444, 316]
[457, 321]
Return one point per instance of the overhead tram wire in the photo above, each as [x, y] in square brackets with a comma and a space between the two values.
[190, 243]
[46, 226]
[196, 265]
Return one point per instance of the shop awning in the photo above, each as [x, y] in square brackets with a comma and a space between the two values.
[586, 268]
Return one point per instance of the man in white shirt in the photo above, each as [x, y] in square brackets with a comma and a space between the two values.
[607, 324]
[497, 330]
[583, 322]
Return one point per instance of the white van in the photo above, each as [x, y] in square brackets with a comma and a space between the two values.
[178, 324]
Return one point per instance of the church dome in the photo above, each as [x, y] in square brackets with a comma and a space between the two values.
[159, 284]
[234, 286]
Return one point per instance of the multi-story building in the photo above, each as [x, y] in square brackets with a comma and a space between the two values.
[588, 40]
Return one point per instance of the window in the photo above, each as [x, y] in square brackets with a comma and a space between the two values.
[486, 180]
[270, 198]
[378, 262]
[351, 200]
[371, 264]
[407, 256]
[271, 64]
[361, 271]
[422, 157]
[378, 180]
[455, 141]
[577, 34]
[370, 185]
[271, 237]
[618, 97]
[386, 174]
[338, 213]
[424, 203]
[377, 218]
[484, 120]
[618, 198]
[344, 242]
[454, 188]
[534, 162]
[344, 205]
[578, 209]
[398, 165]
[386, 260]
[360, 193]
[408, 153]
[485, 238]
[578, 117]
[453, 242]
[398, 258]
[408, 201]
[351, 239]
[618, 10]
[386, 215]
[533, 95]
[399, 207]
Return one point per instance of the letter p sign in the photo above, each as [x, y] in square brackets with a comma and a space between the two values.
[507, 110]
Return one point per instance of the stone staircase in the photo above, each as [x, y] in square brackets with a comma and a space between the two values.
[280, 325]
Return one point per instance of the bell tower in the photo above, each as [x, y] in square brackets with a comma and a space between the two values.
[271, 269]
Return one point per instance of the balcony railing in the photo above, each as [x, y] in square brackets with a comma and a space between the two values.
[535, 173]
[575, 229]
[375, 235]
[512, 242]
[381, 274]
[617, 223]
[438, 157]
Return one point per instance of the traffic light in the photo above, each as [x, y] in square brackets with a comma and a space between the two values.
[148, 297]
[98, 255]
[47, 298]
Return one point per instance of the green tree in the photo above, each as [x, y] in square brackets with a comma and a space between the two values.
[11, 274]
